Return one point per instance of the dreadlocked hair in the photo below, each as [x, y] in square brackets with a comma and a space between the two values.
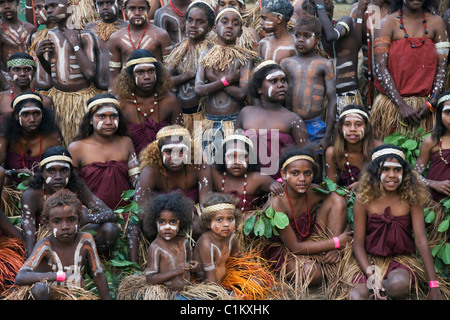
[412, 190]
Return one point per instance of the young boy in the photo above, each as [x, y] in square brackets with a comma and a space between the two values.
[72, 65]
[223, 76]
[60, 258]
[311, 79]
[15, 36]
[171, 18]
[274, 18]
[108, 10]
[140, 34]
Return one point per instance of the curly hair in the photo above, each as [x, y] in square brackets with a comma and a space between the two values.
[308, 20]
[412, 190]
[61, 198]
[216, 198]
[283, 7]
[11, 128]
[293, 151]
[124, 85]
[86, 129]
[151, 155]
[175, 202]
[340, 142]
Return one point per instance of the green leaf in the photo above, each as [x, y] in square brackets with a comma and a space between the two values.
[121, 263]
[445, 255]
[270, 212]
[22, 175]
[331, 185]
[248, 225]
[436, 249]
[127, 194]
[267, 228]
[443, 226]
[259, 227]
[134, 219]
[430, 217]
[281, 220]
[410, 144]
[23, 185]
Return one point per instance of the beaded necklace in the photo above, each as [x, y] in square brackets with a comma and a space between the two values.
[131, 40]
[293, 214]
[440, 152]
[244, 200]
[175, 9]
[155, 105]
[8, 33]
[347, 165]
[402, 26]
[11, 91]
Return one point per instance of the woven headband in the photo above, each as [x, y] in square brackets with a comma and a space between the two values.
[295, 158]
[173, 132]
[444, 98]
[140, 61]
[264, 64]
[221, 13]
[218, 207]
[24, 97]
[102, 101]
[353, 111]
[200, 1]
[238, 137]
[55, 158]
[386, 151]
[21, 62]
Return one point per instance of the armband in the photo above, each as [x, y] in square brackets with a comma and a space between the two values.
[320, 6]
[433, 284]
[342, 23]
[358, 20]
[113, 64]
[430, 106]
[134, 171]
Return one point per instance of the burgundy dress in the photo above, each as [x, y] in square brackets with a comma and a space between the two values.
[107, 180]
[15, 161]
[252, 202]
[439, 171]
[345, 179]
[145, 133]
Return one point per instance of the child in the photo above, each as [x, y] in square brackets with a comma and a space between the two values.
[140, 34]
[268, 89]
[166, 165]
[237, 174]
[311, 79]
[182, 62]
[143, 88]
[280, 43]
[317, 224]
[103, 30]
[354, 141]
[60, 259]
[389, 227]
[171, 17]
[223, 77]
[434, 150]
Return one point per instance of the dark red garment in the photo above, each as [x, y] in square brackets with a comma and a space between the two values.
[191, 193]
[107, 180]
[439, 171]
[345, 179]
[15, 161]
[388, 235]
[411, 69]
[252, 202]
[145, 133]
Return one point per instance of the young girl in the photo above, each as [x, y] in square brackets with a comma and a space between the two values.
[182, 62]
[435, 150]
[238, 175]
[166, 165]
[389, 226]
[317, 223]
[268, 89]
[353, 143]
[60, 259]
[217, 251]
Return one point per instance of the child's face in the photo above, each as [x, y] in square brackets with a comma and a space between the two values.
[197, 25]
[56, 10]
[174, 154]
[168, 225]
[40, 13]
[30, 117]
[353, 128]
[63, 223]
[230, 3]
[223, 223]
[145, 76]
[298, 175]
[56, 175]
[22, 75]
[105, 120]
[236, 159]
[137, 11]
[107, 9]
[391, 174]
[229, 27]
[274, 86]
[305, 39]
[8, 8]
[446, 115]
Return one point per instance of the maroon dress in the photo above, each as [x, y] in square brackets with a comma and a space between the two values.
[107, 180]
[15, 161]
[345, 179]
[252, 202]
[145, 133]
[439, 171]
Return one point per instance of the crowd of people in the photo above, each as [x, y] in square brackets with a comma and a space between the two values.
[224, 119]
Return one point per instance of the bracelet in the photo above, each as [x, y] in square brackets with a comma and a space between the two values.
[320, 6]
[433, 284]
[225, 82]
[337, 245]
[430, 106]
[358, 20]
[60, 276]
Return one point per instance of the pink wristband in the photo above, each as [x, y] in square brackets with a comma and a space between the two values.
[60, 276]
[433, 284]
[337, 245]
[225, 82]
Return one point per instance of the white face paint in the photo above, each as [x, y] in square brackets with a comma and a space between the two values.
[167, 226]
[47, 181]
[99, 124]
[275, 74]
[268, 24]
[54, 232]
[236, 155]
[446, 107]
[29, 109]
[269, 92]
[57, 163]
[15, 77]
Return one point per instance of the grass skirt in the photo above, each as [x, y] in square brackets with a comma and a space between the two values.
[12, 257]
[58, 293]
